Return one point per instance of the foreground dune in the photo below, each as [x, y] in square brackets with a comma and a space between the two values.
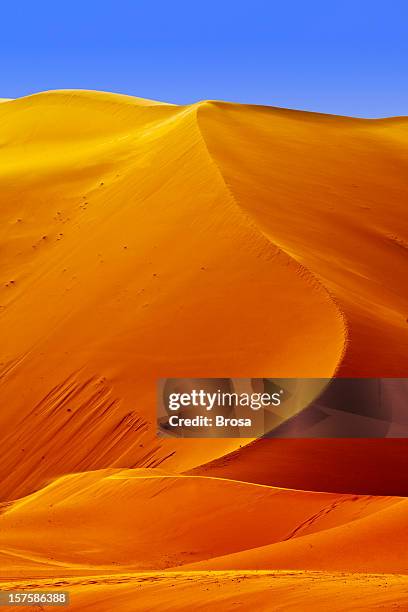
[66, 522]
[95, 535]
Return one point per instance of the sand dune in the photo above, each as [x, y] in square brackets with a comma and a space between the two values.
[125, 259]
[66, 521]
[142, 240]
[102, 198]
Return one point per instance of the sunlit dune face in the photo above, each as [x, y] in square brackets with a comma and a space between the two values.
[127, 259]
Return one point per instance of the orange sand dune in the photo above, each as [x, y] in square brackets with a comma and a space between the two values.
[125, 258]
[142, 240]
[228, 591]
[157, 521]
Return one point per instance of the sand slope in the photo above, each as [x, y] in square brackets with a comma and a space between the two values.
[330, 191]
[141, 240]
[125, 258]
[376, 543]
[157, 520]
[95, 534]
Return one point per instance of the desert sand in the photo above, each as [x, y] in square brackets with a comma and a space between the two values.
[221, 591]
[142, 240]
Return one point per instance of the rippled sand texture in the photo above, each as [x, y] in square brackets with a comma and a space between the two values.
[142, 240]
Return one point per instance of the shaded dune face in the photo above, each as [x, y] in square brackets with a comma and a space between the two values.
[126, 259]
[370, 467]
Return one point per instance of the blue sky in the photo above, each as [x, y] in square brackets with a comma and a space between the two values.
[335, 56]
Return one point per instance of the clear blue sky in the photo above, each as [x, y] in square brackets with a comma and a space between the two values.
[336, 56]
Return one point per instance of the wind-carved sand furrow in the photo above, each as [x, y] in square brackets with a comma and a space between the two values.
[9, 367]
[309, 522]
[74, 430]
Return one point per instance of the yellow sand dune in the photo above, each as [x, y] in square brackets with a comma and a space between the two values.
[125, 258]
[142, 240]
